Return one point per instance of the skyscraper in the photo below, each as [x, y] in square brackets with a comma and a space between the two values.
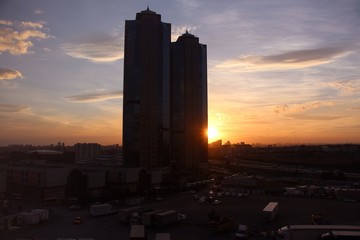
[146, 105]
[188, 104]
[165, 97]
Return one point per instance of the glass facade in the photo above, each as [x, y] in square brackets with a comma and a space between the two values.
[146, 119]
[165, 97]
[188, 104]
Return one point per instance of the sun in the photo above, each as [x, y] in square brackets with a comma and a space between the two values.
[212, 133]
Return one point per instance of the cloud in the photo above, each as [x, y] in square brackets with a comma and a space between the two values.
[8, 85]
[32, 24]
[16, 39]
[12, 108]
[38, 11]
[315, 117]
[8, 74]
[301, 107]
[94, 97]
[6, 23]
[281, 108]
[356, 108]
[98, 49]
[224, 18]
[177, 31]
[289, 60]
[346, 87]
[189, 5]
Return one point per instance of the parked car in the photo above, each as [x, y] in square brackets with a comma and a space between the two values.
[77, 220]
[97, 210]
[216, 202]
[201, 200]
[181, 217]
[74, 207]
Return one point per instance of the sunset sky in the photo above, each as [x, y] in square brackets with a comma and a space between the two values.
[280, 71]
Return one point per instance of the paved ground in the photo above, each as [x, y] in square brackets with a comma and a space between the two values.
[242, 210]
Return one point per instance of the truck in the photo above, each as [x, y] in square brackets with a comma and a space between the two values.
[137, 232]
[162, 236]
[242, 232]
[219, 223]
[10, 222]
[223, 224]
[134, 201]
[148, 217]
[30, 218]
[348, 235]
[43, 214]
[126, 213]
[98, 210]
[311, 232]
[270, 211]
[165, 218]
[136, 217]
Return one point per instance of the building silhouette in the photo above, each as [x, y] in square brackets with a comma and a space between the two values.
[188, 104]
[165, 97]
[146, 107]
[86, 152]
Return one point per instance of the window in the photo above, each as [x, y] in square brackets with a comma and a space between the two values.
[39, 181]
[24, 176]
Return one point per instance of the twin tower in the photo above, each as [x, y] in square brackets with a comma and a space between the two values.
[165, 97]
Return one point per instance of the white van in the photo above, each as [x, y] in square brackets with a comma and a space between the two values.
[101, 210]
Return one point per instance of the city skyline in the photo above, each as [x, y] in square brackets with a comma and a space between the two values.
[278, 72]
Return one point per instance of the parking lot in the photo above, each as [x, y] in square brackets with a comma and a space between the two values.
[242, 210]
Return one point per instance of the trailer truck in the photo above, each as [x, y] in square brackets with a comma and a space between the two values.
[242, 232]
[341, 235]
[136, 217]
[165, 218]
[311, 232]
[148, 217]
[270, 211]
[126, 213]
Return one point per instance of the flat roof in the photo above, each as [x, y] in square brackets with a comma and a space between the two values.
[167, 212]
[270, 206]
[346, 233]
[322, 227]
[154, 211]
